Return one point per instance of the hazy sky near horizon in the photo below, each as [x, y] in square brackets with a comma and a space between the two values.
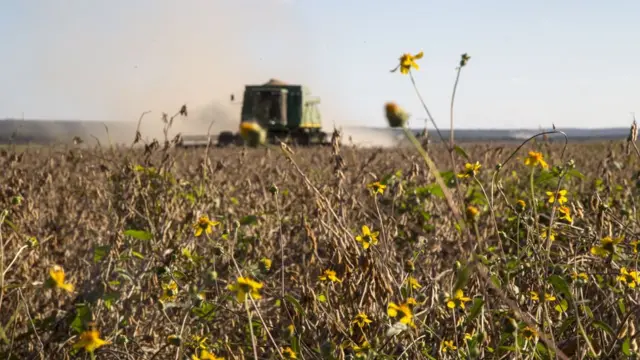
[572, 63]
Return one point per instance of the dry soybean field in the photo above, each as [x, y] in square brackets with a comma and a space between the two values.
[320, 253]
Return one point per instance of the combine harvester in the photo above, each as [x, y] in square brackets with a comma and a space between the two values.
[287, 112]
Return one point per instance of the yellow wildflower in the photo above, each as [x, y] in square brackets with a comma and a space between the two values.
[552, 234]
[607, 246]
[579, 276]
[253, 133]
[394, 309]
[635, 245]
[447, 345]
[529, 333]
[90, 341]
[57, 276]
[565, 213]
[204, 225]
[472, 212]
[470, 170]
[361, 320]
[361, 350]
[521, 206]
[562, 198]
[329, 274]
[367, 237]
[408, 61]
[377, 187]
[244, 286]
[534, 159]
[289, 353]
[265, 263]
[536, 297]
[458, 300]
[396, 116]
[629, 278]
[413, 283]
[205, 355]
[169, 291]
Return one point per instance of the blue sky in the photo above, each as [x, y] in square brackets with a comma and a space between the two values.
[572, 63]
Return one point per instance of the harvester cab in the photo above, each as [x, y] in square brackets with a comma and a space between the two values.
[287, 112]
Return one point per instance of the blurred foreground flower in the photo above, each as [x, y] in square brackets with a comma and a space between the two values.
[470, 170]
[90, 341]
[607, 246]
[57, 277]
[244, 286]
[408, 61]
[404, 309]
[252, 133]
[395, 115]
[534, 159]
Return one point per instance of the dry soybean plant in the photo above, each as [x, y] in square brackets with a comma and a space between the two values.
[522, 251]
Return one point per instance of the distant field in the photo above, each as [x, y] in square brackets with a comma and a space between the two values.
[40, 131]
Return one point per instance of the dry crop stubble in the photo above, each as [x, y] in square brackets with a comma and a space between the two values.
[121, 225]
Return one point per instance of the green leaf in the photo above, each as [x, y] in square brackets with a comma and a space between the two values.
[100, 252]
[474, 311]
[137, 254]
[83, 316]
[560, 285]
[604, 327]
[296, 304]
[462, 277]
[461, 152]
[322, 298]
[435, 190]
[575, 173]
[138, 234]
[626, 346]
[249, 220]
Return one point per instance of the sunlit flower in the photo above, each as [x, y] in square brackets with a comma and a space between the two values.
[205, 355]
[57, 276]
[289, 353]
[244, 286]
[204, 225]
[367, 238]
[565, 213]
[396, 116]
[534, 159]
[521, 206]
[329, 275]
[265, 264]
[404, 310]
[547, 297]
[408, 61]
[470, 170]
[169, 291]
[361, 320]
[457, 300]
[90, 341]
[629, 278]
[607, 246]
[447, 345]
[561, 196]
[377, 187]
[413, 283]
